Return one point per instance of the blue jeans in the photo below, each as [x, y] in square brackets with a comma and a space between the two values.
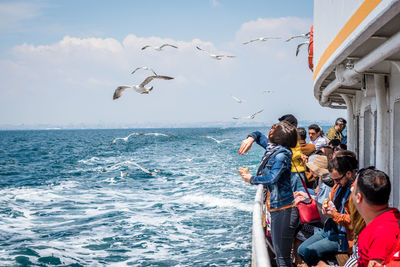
[318, 247]
[283, 227]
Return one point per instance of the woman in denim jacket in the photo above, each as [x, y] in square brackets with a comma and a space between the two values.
[274, 172]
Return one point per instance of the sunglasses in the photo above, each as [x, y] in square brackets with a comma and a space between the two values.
[337, 180]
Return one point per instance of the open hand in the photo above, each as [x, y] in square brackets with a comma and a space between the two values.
[246, 145]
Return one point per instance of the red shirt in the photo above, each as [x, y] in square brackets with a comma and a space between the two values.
[379, 238]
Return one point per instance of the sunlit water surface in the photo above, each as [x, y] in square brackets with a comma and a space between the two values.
[58, 205]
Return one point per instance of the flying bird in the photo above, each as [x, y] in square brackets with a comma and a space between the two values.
[300, 45]
[250, 117]
[122, 138]
[140, 167]
[144, 68]
[155, 134]
[113, 167]
[141, 89]
[303, 35]
[217, 57]
[267, 91]
[261, 39]
[218, 141]
[158, 48]
[238, 99]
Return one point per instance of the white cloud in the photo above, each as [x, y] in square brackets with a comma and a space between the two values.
[11, 13]
[73, 80]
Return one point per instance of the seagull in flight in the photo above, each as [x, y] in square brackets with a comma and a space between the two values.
[155, 134]
[141, 89]
[144, 68]
[122, 138]
[250, 117]
[267, 91]
[261, 39]
[217, 57]
[300, 45]
[238, 99]
[218, 141]
[140, 167]
[158, 48]
[303, 35]
[113, 167]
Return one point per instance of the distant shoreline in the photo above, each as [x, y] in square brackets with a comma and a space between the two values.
[155, 126]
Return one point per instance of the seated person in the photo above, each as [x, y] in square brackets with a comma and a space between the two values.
[334, 237]
[378, 240]
[298, 168]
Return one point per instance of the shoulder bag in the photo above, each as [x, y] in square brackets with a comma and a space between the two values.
[308, 209]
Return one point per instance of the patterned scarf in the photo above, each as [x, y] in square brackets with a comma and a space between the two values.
[271, 148]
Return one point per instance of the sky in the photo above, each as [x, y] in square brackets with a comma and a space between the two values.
[61, 61]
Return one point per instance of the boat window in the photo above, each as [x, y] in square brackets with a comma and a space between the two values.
[367, 137]
[396, 154]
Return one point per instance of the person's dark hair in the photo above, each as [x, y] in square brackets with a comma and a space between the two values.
[314, 127]
[284, 134]
[374, 185]
[341, 165]
[302, 133]
[289, 118]
[327, 151]
[340, 120]
[343, 146]
[334, 142]
[318, 152]
[350, 156]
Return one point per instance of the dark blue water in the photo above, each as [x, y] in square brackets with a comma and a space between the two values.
[64, 201]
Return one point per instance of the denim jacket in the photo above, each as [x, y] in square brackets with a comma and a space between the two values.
[276, 173]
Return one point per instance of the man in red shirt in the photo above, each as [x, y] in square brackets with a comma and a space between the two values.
[378, 239]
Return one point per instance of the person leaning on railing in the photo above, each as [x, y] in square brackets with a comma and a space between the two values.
[274, 172]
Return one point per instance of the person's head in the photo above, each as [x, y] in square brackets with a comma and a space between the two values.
[350, 156]
[314, 131]
[284, 134]
[342, 147]
[302, 133]
[334, 143]
[319, 165]
[341, 170]
[372, 188]
[327, 151]
[289, 118]
[340, 124]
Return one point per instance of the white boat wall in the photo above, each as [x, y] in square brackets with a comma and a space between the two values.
[357, 68]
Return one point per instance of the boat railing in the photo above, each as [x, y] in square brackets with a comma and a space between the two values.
[260, 256]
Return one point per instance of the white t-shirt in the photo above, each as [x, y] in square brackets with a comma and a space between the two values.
[319, 142]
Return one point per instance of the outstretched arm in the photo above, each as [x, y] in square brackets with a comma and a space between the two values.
[246, 145]
[281, 163]
[260, 138]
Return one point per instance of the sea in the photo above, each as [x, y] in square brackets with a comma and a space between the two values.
[69, 198]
